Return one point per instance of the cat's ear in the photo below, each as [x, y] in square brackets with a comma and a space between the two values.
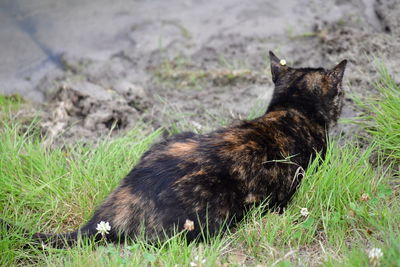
[336, 74]
[278, 67]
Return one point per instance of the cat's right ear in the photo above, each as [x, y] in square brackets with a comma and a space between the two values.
[337, 72]
[278, 67]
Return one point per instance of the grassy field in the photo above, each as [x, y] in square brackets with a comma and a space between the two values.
[351, 197]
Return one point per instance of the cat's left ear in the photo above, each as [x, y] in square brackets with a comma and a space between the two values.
[278, 67]
[337, 72]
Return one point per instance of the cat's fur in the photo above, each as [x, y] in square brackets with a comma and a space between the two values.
[212, 179]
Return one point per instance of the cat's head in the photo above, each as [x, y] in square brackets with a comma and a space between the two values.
[316, 91]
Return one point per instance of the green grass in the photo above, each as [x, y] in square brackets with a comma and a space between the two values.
[382, 113]
[338, 217]
[58, 189]
[9, 103]
[351, 196]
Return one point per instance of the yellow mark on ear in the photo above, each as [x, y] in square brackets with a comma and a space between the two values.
[282, 62]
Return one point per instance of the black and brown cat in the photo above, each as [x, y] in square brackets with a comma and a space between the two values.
[194, 182]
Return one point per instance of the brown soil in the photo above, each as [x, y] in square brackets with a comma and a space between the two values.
[196, 65]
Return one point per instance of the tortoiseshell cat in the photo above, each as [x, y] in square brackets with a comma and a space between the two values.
[213, 179]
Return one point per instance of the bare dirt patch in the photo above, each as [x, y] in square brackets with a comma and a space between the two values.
[196, 65]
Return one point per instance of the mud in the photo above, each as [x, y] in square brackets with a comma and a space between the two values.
[181, 64]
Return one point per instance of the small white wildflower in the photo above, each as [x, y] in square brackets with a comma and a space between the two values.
[364, 197]
[374, 255]
[44, 246]
[304, 212]
[197, 261]
[282, 62]
[189, 225]
[197, 125]
[103, 228]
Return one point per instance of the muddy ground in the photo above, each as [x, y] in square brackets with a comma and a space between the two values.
[182, 64]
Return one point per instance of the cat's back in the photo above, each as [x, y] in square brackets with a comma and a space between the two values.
[223, 154]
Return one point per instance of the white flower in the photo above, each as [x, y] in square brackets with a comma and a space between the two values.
[44, 246]
[103, 228]
[196, 125]
[189, 225]
[364, 197]
[304, 212]
[282, 62]
[374, 254]
[197, 261]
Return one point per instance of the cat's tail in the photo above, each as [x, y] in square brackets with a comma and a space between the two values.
[63, 240]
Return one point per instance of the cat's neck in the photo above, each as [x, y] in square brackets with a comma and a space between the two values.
[312, 112]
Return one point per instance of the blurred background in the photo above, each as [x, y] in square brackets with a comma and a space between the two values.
[86, 66]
